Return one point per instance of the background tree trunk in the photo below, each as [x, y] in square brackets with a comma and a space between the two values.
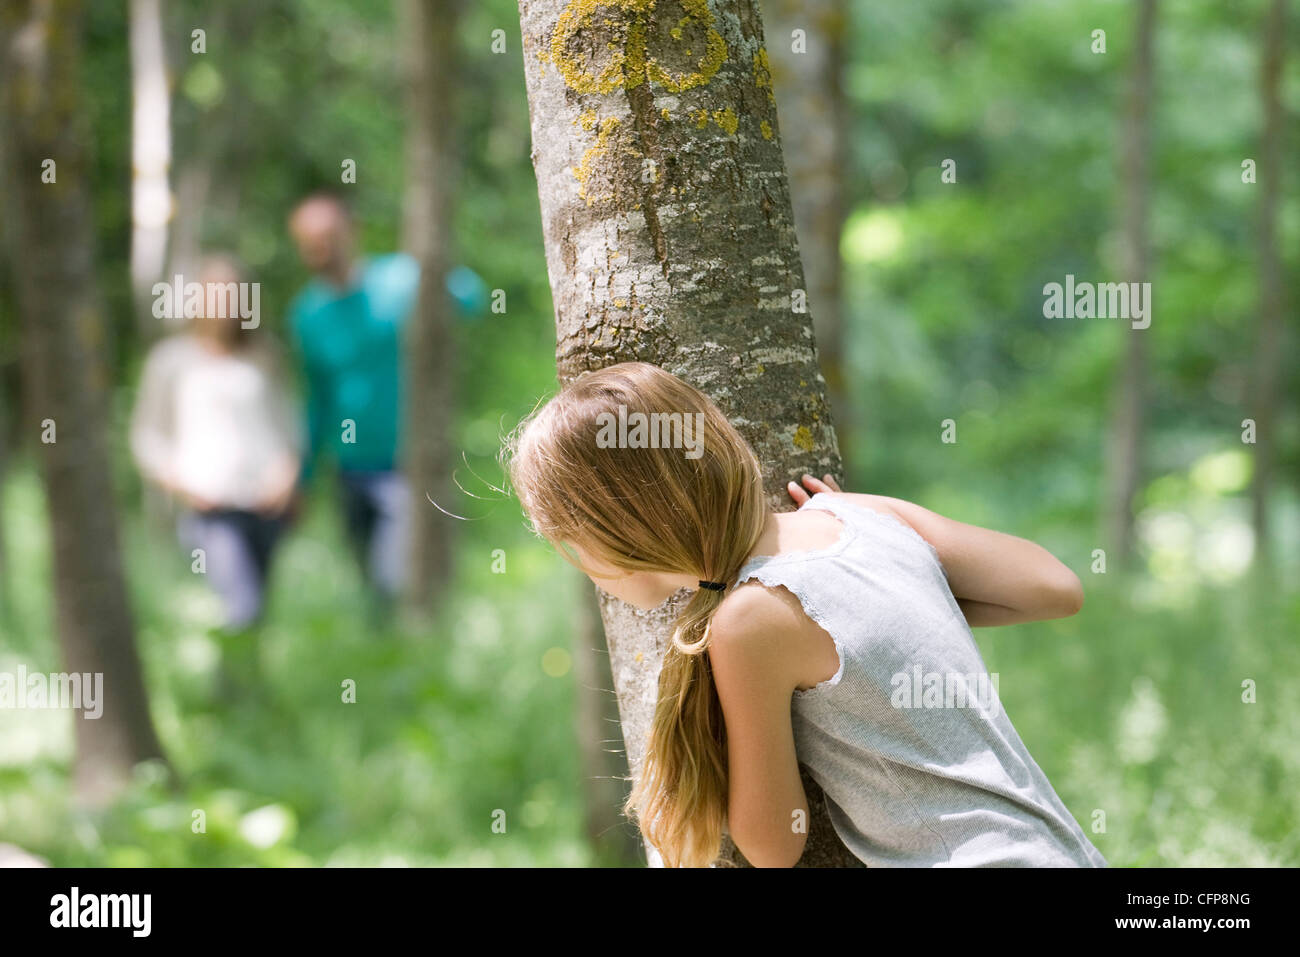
[429, 27]
[151, 156]
[10, 387]
[211, 165]
[1128, 420]
[670, 239]
[1263, 403]
[65, 381]
[4, 475]
[810, 100]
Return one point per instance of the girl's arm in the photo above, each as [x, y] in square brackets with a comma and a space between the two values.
[754, 655]
[997, 579]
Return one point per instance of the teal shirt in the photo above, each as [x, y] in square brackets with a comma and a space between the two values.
[350, 345]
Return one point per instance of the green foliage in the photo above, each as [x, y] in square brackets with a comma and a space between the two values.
[945, 281]
[1134, 707]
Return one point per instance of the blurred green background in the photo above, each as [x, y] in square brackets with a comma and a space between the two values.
[1134, 706]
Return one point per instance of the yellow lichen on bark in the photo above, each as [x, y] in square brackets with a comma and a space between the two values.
[715, 53]
[605, 132]
[727, 119]
[626, 67]
[763, 74]
[629, 66]
[803, 439]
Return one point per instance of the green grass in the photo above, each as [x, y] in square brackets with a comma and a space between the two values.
[1133, 709]
[452, 723]
[1138, 719]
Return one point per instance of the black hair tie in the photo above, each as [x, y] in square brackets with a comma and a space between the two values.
[714, 586]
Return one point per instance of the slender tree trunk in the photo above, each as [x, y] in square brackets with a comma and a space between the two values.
[66, 381]
[213, 148]
[151, 155]
[5, 593]
[670, 239]
[806, 45]
[1272, 292]
[1128, 422]
[429, 27]
[8, 382]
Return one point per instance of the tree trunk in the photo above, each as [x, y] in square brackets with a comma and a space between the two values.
[8, 390]
[670, 239]
[151, 156]
[215, 147]
[4, 475]
[1128, 422]
[604, 762]
[1272, 293]
[808, 80]
[429, 27]
[66, 382]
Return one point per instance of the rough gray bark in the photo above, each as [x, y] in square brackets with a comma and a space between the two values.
[670, 239]
[65, 381]
[429, 29]
[814, 113]
[1272, 291]
[1128, 420]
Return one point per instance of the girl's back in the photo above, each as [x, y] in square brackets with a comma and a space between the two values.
[920, 765]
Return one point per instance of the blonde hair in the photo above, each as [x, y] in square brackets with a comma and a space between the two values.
[654, 509]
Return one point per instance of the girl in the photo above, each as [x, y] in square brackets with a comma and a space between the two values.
[837, 636]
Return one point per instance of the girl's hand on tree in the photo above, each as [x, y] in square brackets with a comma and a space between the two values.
[813, 486]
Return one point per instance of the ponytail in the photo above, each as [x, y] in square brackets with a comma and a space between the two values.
[680, 798]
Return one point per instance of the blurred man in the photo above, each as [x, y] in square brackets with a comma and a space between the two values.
[348, 325]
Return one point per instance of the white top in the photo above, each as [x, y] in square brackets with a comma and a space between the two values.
[219, 426]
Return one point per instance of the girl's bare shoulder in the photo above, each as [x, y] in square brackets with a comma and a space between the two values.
[750, 611]
[766, 626]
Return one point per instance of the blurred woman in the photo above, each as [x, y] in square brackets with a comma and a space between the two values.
[214, 426]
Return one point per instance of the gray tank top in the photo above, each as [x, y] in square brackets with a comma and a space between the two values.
[920, 765]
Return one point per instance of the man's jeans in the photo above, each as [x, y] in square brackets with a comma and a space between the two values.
[376, 507]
